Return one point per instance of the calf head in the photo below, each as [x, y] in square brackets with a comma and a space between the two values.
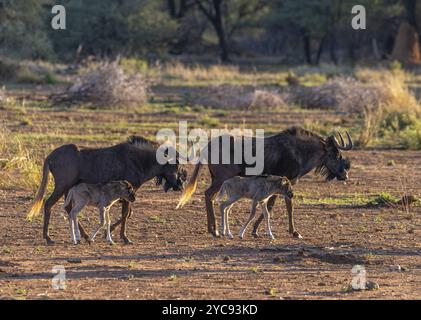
[127, 191]
[285, 187]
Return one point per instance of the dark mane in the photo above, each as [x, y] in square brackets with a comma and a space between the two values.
[301, 132]
[142, 142]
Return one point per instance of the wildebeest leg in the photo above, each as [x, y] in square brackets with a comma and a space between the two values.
[251, 217]
[270, 204]
[49, 203]
[290, 209]
[124, 216]
[209, 198]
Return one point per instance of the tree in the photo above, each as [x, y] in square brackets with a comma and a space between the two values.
[212, 9]
[23, 29]
[407, 43]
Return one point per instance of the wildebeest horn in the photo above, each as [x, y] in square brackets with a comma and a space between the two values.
[342, 146]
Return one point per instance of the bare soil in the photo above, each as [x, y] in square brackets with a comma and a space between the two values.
[173, 257]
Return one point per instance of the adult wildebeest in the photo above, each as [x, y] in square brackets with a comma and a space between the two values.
[133, 160]
[293, 153]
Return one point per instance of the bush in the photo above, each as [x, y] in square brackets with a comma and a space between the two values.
[107, 85]
[228, 96]
[383, 88]
[18, 168]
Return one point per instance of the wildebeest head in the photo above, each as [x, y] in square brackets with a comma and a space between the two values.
[127, 191]
[333, 164]
[173, 175]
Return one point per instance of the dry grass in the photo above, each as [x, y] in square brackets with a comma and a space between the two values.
[215, 74]
[349, 95]
[107, 85]
[18, 168]
[239, 97]
[3, 95]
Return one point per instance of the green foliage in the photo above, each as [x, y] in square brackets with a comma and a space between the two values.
[109, 27]
[23, 29]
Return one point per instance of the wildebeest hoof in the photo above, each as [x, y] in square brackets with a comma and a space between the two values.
[230, 236]
[255, 235]
[49, 241]
[295, 234]
[111, 243]
[216, 234]
[127, 240]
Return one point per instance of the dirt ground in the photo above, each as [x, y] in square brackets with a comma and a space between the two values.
[174, 258]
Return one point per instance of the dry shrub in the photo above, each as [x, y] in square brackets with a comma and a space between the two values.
[18, 167]
[350, 95]
[107, 85]
[228, 97]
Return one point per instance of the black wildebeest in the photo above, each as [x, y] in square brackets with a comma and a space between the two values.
[133, 160]
[293, 153]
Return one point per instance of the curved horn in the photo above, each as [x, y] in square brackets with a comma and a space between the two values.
[342, 146]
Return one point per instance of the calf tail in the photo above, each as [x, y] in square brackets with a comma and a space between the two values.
[221, 193]
[68, 198]
[39, 198]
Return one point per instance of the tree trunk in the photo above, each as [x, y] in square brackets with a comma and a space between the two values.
[220, 31]
[407, 45]
[307, 48]
[407, 42]
[320, 50]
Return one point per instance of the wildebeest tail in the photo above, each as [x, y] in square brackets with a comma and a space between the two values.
[191, 186]
[38, 201]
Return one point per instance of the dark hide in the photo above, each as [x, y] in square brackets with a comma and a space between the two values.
[133, 161]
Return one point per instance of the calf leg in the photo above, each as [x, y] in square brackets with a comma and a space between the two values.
[266, 214]
[101, 224]
[108, 223]
[227, 225]
[80, 228]
[251, 217]
[225, 206]
[74, 232]
[270, 204]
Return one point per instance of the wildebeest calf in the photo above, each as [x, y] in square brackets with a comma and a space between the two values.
[102, 196]
[257, 188]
